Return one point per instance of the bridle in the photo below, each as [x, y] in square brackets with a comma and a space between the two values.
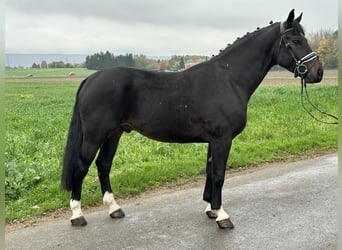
[302, 70]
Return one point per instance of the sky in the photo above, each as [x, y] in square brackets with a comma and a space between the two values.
[149, 27]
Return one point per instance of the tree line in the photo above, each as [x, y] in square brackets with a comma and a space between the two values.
[108, 60]
[59, 64]
[324, 42]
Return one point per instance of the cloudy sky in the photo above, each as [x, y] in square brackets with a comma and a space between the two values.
[150, 27]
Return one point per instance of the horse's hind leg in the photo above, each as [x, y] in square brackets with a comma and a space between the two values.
[104, 163]
[88, 152]
[207, 195]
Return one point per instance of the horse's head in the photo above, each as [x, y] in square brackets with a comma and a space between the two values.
[295, 53]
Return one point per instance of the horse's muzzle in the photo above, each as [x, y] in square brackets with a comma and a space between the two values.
[315, 74]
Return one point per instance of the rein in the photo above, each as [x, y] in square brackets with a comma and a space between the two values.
[303, 89]
[302, 71]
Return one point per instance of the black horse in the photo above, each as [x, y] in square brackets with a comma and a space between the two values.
[206, 103]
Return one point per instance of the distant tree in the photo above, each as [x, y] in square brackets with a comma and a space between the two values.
[142, 62]
[93, 61]
[35, 66]
[335, 35]
[162, 65]
[181, 63]
[69, 65]
[175, 62]
[59, 64]
[43, 65]
[328, 50]
[107, 60]
[328, 53]
[119, 60]
[129, 60]
[325, 43]
[314, 38]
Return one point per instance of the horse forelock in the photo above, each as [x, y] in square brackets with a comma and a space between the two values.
[298, 27]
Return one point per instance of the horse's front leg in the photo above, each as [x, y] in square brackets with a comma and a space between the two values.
[218, 152]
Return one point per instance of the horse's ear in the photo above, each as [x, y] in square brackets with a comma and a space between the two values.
[298, 19]
[290, 19]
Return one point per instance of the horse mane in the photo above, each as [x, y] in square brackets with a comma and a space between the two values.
[230, 47]
[240, 40]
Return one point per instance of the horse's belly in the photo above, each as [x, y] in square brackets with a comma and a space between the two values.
[171, 131]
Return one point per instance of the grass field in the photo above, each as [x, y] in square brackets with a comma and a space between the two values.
[51, 72]
[37, 120]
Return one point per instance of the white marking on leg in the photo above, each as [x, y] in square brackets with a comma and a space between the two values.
[221, 214]
[108, 199]
[75, 207]
[208, 209]
[210, 212]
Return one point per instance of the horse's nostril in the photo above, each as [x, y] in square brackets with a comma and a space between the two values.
[320, 73]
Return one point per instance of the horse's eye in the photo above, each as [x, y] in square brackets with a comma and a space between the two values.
[297, 42]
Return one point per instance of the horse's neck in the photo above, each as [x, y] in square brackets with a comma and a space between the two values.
[251, 58]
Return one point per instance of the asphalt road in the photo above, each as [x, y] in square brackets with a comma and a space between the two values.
[290, 206]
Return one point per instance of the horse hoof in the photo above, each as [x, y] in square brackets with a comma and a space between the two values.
[79, 222]
[117, 214]
[224, 224]
[211, 214]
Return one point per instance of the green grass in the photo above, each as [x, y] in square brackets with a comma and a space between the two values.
[37, 121]
[51, 72]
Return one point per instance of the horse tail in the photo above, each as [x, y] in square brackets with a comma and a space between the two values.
[73, 146]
